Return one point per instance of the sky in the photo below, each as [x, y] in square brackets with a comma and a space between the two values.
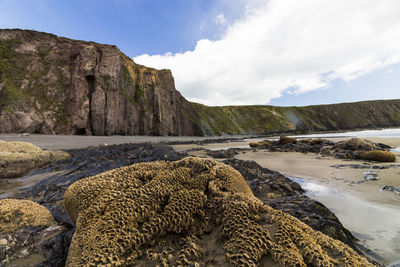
[240, 52]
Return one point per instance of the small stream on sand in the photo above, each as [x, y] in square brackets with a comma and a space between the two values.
[374, 225]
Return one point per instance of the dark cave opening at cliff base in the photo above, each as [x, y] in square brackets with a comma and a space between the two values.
[91, 81]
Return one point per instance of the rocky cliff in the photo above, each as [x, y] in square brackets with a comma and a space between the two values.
[55, 85]
[272, 119]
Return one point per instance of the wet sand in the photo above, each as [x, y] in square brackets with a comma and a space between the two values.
[80, 141]
[371, 214]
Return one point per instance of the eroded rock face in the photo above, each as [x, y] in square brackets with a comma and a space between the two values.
[54, 85]
[17, 158]
[188, 212]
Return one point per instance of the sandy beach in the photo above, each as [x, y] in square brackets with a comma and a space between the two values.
[371, 214]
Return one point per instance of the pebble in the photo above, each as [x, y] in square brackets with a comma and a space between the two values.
[3, 242]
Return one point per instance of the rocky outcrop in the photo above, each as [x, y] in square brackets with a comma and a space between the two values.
[55, 85]
[354, 148]
[27, 231]
[190, 212]
[17, 158]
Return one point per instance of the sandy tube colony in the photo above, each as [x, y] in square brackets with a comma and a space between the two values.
[188, 212]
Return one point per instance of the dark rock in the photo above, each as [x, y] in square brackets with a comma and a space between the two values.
[354, 148]
[365, 166]
[391, 188]
[371, 175]
[224, 153]
[50, 193]
[281, 193]
[30, 247]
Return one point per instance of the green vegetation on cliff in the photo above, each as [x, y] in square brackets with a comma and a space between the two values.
[51, 84]
[270, 119]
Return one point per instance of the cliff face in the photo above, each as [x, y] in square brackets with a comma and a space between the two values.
[270, 119]
[56, 85]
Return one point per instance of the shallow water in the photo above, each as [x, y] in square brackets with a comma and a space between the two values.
[9, 187]
[384, 133]
[396, 149]
[375, 225]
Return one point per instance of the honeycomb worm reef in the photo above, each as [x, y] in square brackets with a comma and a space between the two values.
[189, 212]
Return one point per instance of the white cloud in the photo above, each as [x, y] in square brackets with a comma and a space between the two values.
[220, 19]
[287, 45]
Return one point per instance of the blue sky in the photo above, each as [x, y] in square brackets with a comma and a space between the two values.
[221, 52]
[136, 27]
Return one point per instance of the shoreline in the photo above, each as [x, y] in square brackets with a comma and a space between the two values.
[371, 204]
[310, 167]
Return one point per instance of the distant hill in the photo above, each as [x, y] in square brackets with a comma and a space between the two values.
[272, 119]
[55, 85]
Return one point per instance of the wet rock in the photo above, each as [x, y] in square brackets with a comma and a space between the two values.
[371, 175]
[281, 193]
[27, 233]
[31, 246]
[266, 184]
[50, 192]
[224, 153]
[88, 162]
[365, 166]
[354, 148]
[391, 188]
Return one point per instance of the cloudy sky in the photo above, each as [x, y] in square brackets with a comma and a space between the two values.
[233, 52]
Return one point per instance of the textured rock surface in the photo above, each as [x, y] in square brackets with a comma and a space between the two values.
[279, 192]
[354, 148]
[16, 214]
[52, 243]
[17, 158]
[188, 212]
[27, 232]
[57, 85]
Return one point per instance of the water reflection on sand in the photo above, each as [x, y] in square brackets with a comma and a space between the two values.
[376, 226]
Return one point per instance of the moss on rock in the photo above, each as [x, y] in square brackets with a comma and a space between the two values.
[188, 212]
